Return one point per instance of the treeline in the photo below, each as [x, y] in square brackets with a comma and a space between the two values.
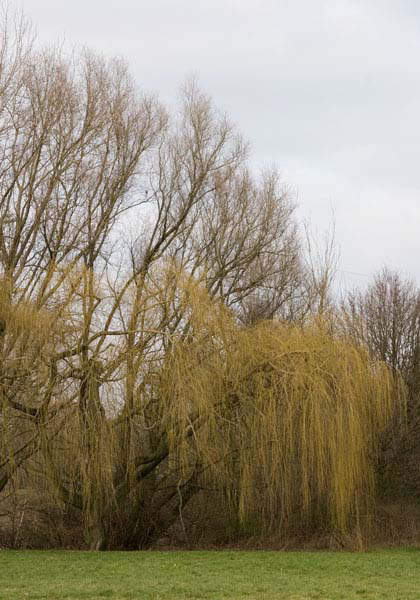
[169, 340]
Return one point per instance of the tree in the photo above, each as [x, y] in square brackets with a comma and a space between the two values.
[136, 367]
[73, 133]
[285, 419]
[386, 318]
[86, 321]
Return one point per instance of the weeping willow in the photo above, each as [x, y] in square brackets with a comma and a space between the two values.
[285, 419]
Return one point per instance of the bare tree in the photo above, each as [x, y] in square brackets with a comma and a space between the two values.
[386, 318]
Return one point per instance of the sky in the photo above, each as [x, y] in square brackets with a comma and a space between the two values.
[327, 90]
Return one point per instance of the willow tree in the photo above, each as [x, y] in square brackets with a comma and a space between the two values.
[118, 371]
[100, 190]
[132, 245]
[285, 420]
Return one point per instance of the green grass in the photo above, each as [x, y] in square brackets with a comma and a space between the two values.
[381, 575]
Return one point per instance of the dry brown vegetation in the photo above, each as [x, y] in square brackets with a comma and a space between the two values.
[162, 334]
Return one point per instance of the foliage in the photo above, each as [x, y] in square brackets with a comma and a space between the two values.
[146, 279]
[286, 419]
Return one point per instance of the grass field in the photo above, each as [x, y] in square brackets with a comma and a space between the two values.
[382, 575]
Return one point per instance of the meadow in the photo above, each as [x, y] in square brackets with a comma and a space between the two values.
[221, 575]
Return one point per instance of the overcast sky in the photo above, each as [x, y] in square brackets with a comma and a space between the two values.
[329, 90]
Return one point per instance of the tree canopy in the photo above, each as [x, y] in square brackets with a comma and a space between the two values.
[158, 329]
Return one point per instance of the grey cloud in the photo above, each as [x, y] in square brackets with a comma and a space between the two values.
[329, 90]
